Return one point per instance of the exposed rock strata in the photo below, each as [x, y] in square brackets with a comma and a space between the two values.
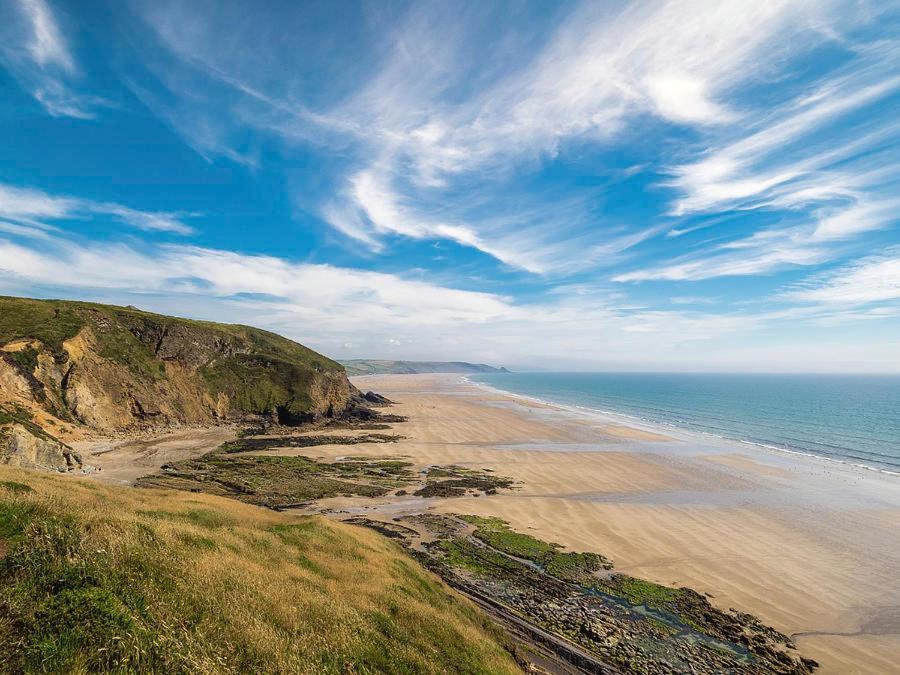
[21, 446]
[75, 367]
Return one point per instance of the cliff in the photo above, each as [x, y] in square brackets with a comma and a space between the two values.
[67, 368]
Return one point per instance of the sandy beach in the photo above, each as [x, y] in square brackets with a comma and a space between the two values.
[809, 546]
[120, 461]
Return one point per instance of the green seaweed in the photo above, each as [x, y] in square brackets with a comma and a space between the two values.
[640, 591]
[569, 566]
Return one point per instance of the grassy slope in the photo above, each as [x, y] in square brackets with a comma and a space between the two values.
[54, 321]
[93, 577]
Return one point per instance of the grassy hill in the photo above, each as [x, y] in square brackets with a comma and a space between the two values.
[70, 365]
[99, 578]
[388, 367]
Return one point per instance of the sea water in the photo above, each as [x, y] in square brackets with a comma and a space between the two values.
[847, 418]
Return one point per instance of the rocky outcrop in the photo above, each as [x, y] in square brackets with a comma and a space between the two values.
[110, 369]
[376, 399]
[23, 443]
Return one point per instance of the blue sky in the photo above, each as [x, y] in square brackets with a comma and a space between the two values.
[600, 185]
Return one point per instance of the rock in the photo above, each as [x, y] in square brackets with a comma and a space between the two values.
[377, 399]
[21, 446]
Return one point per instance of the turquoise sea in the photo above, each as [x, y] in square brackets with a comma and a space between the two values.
[848, 418]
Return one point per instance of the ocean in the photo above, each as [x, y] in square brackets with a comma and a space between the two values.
[848, 418]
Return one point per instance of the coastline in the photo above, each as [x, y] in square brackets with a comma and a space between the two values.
[683, 433]
[809, 545]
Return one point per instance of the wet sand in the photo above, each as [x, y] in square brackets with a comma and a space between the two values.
[122, 461]
[809, 546]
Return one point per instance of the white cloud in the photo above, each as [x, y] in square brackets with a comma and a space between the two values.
[755, 259]
[776, 248]
[323, 291]
[38, 55]
[46, 45]
[857, 218]
[30, 231]
[807, 159]
[381, 209]
[30, 205]
[349, 221]
[753, 170]
[585, 80]
[870, 280]
[388, 315]
[142, 220]
[684, 99]
[522, 99]
[26, 203]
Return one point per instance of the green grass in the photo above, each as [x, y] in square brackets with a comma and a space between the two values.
[25, 359]
[14, 486]
[120, 346]
[463, 554]
[51, 322]
[55, 321]
[278, 481]
[14, 516]
[259, 383]
[94, 578]
[203, 517]
[569, 566]
[639, 591]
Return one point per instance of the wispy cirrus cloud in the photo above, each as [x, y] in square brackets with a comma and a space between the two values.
[760, 257]
[444, 109]
[46, 45]
[830, 175]
[584, 82]
[585, 79]
[30, 206]
[755, 170]
[38, 54]
[874, 279]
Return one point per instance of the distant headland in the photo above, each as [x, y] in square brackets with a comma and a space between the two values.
[387, 367]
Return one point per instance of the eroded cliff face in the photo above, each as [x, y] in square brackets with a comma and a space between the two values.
[25, 447]
[77, 367]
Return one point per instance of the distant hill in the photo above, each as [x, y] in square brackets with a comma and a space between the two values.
[388, 367]
[70, 367]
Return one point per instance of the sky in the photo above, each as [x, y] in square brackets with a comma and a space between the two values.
[673, 185]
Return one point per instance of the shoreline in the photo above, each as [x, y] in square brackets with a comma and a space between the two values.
[808, 545]
[672, 429]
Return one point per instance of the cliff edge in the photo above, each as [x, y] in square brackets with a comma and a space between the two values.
[71, 368]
